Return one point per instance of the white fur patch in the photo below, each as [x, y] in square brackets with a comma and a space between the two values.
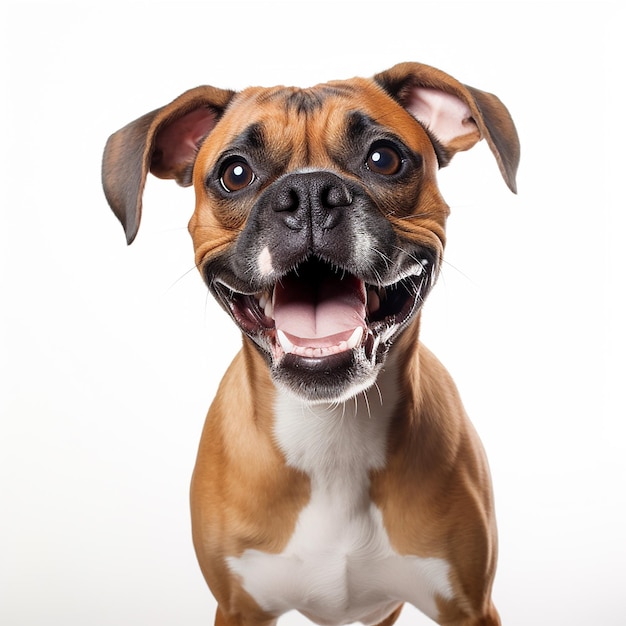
[264, 262]
[339, 566]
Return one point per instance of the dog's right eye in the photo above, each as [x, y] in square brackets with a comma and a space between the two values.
[236, 175]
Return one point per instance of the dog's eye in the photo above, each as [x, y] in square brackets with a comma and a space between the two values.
[236, 175]
[384, 160]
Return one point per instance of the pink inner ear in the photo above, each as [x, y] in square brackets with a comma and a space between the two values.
[177, 143]
[447, 116]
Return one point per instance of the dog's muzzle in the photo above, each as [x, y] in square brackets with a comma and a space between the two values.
[322, 283]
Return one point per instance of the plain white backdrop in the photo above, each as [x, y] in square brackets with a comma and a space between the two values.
[110, 355]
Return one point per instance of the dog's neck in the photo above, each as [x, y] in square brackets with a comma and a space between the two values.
[331, 440]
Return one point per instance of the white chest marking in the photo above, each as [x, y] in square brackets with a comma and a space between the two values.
[339, 566]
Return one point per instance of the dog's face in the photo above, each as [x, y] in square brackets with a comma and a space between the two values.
[318, 225]
[308, 229]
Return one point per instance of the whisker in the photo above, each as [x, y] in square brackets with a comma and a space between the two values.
[380, 393]
[387, 260]
[456, 269]
[184, 275]
[367, 404]
[413, 216]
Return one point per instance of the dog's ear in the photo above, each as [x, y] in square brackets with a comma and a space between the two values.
[164, 142]
[456, 116]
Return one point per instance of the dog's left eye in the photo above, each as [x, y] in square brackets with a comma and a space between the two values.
[384, 160]
[236, 175]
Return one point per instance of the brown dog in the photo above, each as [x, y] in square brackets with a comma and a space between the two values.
[338, 473]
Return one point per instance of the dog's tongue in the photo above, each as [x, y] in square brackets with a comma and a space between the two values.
[319, 312]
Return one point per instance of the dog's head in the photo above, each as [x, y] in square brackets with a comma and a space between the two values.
[318, 224]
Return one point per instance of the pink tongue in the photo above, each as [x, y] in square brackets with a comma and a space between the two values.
[318, 312]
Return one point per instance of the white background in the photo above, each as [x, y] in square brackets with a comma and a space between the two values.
[110, 355]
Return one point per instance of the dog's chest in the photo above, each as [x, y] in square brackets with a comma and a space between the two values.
[338, 566]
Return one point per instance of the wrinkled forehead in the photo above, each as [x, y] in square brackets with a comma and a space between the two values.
[302, 121]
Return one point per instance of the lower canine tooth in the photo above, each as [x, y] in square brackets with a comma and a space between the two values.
[285, 344]
[355, 338]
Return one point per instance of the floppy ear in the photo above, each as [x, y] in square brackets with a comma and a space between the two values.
[457, 116]
[164, 142]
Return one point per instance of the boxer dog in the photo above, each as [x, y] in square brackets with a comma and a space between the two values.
[338, 474]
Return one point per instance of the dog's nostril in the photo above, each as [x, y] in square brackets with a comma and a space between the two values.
[335, 196]
[288, 199]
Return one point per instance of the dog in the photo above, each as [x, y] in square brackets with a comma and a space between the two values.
[337, 474]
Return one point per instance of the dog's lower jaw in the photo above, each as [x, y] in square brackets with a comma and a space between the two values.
[335, 378]
[340, 377]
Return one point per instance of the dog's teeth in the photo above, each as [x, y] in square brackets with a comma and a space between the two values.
[422, 267]
[285, 344]
[355, 338]
[266, 304]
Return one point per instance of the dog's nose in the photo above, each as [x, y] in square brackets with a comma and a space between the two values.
[311, 199]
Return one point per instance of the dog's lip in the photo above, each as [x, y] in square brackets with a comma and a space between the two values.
[380, 312]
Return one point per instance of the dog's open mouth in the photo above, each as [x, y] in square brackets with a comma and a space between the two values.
[317, 311]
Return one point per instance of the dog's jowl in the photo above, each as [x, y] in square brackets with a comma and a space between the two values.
[337, 474]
